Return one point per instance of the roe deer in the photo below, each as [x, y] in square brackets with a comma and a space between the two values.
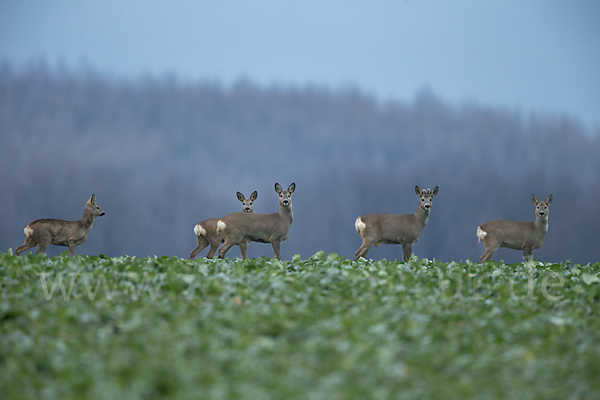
[404, 229]
[43, 232]
[241, 228]
[526, 236]
[206, 231]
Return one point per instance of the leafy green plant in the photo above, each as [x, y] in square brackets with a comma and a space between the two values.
[320, 328]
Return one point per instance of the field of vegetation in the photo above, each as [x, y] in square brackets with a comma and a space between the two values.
[320, 328]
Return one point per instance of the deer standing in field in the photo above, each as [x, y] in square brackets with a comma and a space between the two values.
[43, 232]
[206, 231]
[404, 229]
[241, 228]
[526, 236]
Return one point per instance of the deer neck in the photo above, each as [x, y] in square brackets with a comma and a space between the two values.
[88, 219]
[541, 225]
[421, 215]
[286, 213]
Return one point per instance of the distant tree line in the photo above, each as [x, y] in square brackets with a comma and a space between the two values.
[162, 155]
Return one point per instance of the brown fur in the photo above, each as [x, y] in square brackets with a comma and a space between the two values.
[43, 232]
[526, 236]
[211, 237]
[242, 228]
[402, 229]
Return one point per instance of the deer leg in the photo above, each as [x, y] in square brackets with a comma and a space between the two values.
[243, 249]
[276, 245]
[212, 250]
[226, 246]
[28, 244]
[487, 255]
[489, 251]
[42, 247]
[202, 243]
[527, 253]
[72, 243]
[406, 251]
[363, 250]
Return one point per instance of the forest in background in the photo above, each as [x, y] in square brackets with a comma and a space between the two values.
[162, 155]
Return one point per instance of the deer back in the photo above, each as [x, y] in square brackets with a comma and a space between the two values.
[256, 227]
[511, 234]
[518, 234]
[263, 228]
[392, 228]
[208, 227]
[56, 231]
[398, 228]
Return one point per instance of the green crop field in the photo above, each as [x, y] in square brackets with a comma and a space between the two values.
[320, 328]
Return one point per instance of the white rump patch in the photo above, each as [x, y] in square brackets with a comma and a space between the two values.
[199, 230]
[481, 234]
[28, 231]
[359, 225]
[220, 226]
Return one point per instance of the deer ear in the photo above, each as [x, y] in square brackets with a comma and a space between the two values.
[534, 199]
[240, 196]
[549, 199]
[92, 199]
[254, 195]
[435, 190]
[292, 188]
[418, 191]
[278, 188]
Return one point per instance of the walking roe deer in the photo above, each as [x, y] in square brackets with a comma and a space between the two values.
[241, 228]
[206, 231]
[43, 232]
[404, 229]
[526, 236]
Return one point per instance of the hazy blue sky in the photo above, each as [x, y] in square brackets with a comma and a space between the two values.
[532, 55]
